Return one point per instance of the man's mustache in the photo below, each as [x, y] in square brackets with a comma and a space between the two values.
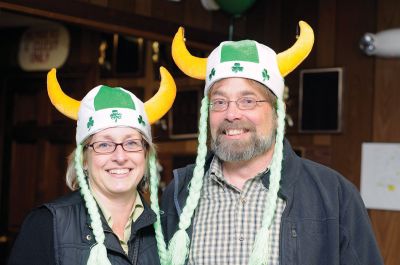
[235, 125]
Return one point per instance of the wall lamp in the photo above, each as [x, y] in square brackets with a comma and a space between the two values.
[385, 43]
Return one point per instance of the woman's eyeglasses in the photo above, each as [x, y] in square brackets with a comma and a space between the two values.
[107, 147]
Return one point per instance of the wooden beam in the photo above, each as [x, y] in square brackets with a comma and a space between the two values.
[109, 20]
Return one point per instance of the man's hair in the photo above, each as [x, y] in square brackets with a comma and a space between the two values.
[71, 176]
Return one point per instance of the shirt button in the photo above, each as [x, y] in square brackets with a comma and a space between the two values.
[241, 238]
[243, 200]
[88, 237]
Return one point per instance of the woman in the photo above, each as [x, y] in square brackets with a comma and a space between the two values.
[104, 220]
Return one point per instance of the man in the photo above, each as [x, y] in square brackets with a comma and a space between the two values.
[253, 201]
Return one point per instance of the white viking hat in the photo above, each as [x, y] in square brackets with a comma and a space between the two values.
[247, 59]
[105, 107]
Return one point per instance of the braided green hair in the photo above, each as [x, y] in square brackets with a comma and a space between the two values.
[98, 252]
[261, 251]
[178, 248]
[180, 242]
[154, 181]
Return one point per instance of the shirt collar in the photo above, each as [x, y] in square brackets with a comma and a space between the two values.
[216, 174]
[136, 210]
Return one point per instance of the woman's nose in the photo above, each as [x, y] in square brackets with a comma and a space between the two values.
[119, 154]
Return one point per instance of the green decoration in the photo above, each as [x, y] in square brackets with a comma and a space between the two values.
[244, 50]
[212, 73]
[235, 7]
[113, 97]
[90, 123]
[237, 68]
[141, 121]
[265, 75]
[115, 115]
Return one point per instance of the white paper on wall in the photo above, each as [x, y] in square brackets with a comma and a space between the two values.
[380, 175]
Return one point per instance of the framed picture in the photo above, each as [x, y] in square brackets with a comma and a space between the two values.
[183, 118]
[162, 57]
[121, 55]
[320, 100]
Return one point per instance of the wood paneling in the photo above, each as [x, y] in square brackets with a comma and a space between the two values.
[386, 127]
[371, 86]
[357, 88]
[386, 118]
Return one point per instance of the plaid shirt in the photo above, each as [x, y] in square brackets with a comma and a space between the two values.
[227, 220]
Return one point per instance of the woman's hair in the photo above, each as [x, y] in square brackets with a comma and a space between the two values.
[71, 176]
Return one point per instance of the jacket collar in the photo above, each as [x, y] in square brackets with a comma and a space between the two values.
[290, 169]
[148, 217]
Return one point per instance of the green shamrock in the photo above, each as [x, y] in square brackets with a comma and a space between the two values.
[265, 74]
[90, 123]
[212, 73]
[115, 115]
[237, 68]
[141, 121]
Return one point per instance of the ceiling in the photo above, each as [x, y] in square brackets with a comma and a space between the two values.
[11, 20]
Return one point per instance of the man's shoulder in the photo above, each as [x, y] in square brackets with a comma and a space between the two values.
[181, 176]
[325, 176]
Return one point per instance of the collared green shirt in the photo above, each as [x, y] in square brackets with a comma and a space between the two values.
[136, 211]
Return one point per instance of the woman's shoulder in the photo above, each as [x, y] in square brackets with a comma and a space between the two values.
[69, 199]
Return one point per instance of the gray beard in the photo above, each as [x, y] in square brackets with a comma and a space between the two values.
[231, 151]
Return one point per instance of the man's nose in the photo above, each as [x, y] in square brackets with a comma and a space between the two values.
[233, 112]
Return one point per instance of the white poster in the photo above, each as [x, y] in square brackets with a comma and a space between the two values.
[380, 175]
[43, 47]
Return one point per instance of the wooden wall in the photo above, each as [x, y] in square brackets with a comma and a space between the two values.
[386, 125]
[371, 85]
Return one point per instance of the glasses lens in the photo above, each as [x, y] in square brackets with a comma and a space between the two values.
[104, 147]
[246, 103]
[218, 105]
[133, 145]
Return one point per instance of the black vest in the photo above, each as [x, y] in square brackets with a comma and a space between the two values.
[73, 236]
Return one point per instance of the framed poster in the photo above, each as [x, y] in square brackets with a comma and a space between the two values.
[380, 175]
[183, 118]
[320, 100]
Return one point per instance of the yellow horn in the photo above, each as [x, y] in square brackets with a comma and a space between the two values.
[192, 66]
[292, 57]
[63, 103]
[162, 101]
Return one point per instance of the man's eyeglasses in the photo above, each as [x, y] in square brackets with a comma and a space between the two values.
[242, 104]
[106, 147]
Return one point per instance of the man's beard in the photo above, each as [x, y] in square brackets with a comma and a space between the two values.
[241, 150]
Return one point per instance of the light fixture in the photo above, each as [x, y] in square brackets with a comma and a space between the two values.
[385, 43]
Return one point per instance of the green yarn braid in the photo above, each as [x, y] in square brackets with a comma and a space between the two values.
[179, 244]
[261, 251]
[98, 253]
[162, 248]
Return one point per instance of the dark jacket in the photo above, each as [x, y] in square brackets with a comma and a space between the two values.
[60, 233]
[324, 222]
